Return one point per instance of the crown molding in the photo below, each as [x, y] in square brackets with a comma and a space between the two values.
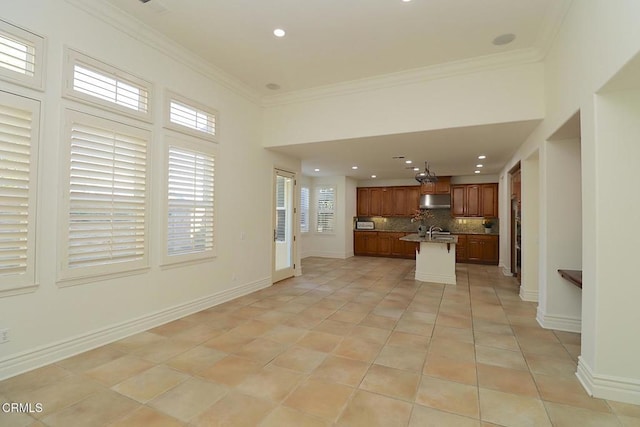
[131, 26]
[551, 26]
[416, 75]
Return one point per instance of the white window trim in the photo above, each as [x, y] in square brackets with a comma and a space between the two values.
[20, 283]
[168, 124]
[71, 277]
[316, 210]
[38, 42]
[73, 57]
[192, 144]
[305, 213]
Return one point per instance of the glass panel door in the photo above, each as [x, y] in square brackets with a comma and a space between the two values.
[283, 235]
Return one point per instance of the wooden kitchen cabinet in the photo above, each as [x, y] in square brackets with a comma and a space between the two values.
[388, 201]
[461, 248]
[383, 243]
[375, 202]
[482, 249]
[474, 200]
[412, 197]
[458, 200]
[442, 186]
[365, 242]
[489, 200]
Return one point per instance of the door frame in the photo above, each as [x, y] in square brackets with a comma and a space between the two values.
[278, 275]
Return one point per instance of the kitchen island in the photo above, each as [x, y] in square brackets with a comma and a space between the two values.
[435, 258]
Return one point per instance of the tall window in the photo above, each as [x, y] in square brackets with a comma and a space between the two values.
[187, 116]
[19, 121]
[20, 55]
[304, 209]
[325, 209]
[95, 82]
[190, 202]
[106, 198]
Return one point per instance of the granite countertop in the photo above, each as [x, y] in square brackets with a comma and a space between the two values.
[438, 238]
[452, 233]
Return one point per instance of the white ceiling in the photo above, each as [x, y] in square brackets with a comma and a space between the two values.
[335, 41]
[449, 152]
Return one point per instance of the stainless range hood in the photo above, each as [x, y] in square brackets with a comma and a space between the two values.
[435, 201]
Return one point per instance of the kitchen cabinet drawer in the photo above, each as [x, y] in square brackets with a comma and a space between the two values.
[479, 249]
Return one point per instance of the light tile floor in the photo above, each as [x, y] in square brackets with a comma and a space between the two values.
[353, 342]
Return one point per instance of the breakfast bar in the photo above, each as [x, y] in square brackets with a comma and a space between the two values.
[435, 258]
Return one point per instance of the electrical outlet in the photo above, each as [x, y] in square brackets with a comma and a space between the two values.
[4, 336]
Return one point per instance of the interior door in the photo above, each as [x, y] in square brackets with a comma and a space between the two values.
[283, 225]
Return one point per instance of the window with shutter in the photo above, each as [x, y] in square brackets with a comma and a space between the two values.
[190, 202]
[106, 198]
[20, 55]
[187, 116]
[325, 210]
[304, 210]
[19, 120]
[95, 82]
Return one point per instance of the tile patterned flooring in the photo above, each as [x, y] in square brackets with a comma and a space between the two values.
[353, 342]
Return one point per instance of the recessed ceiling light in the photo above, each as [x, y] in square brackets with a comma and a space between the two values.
[272, 86]
[416, 169]
[504, 39]
[479, 166]
[354, 167]
[317, 170]
[482, 157]
[279, 32]
[477, 171]
[373, 176]
[406, 1]
[408, 162]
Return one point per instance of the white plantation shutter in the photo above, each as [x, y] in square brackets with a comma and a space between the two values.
[304, 209]
[190, 202]
[326, 209]
[191, 117]
[20, 55]
[95, 82]
[17, 55]
[109, 88]
[18, 136]
[107, 197]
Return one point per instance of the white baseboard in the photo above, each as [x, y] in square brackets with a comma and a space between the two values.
[328, 254]
[608, 387]
[50, 353]
[436, 278]
[559, 323]
[507, 272]
[527, 295]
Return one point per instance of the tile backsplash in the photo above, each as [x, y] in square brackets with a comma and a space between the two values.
[442, 218]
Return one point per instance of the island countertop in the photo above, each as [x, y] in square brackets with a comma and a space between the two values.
[438, 238]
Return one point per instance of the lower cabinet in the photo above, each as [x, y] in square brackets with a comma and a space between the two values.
[477, 248]
[382, 243]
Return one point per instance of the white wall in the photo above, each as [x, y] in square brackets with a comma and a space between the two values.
[595, 41]
[53, 322]
[530, 239]
[340, 243]
[494, 96]
[561, 302]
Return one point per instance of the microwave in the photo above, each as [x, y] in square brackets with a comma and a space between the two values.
[365, 225]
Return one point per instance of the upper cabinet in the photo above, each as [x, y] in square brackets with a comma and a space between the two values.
[388, 201]
[474, 200]
[443, 186]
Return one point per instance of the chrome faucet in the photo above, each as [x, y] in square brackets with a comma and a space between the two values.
[433, 228]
